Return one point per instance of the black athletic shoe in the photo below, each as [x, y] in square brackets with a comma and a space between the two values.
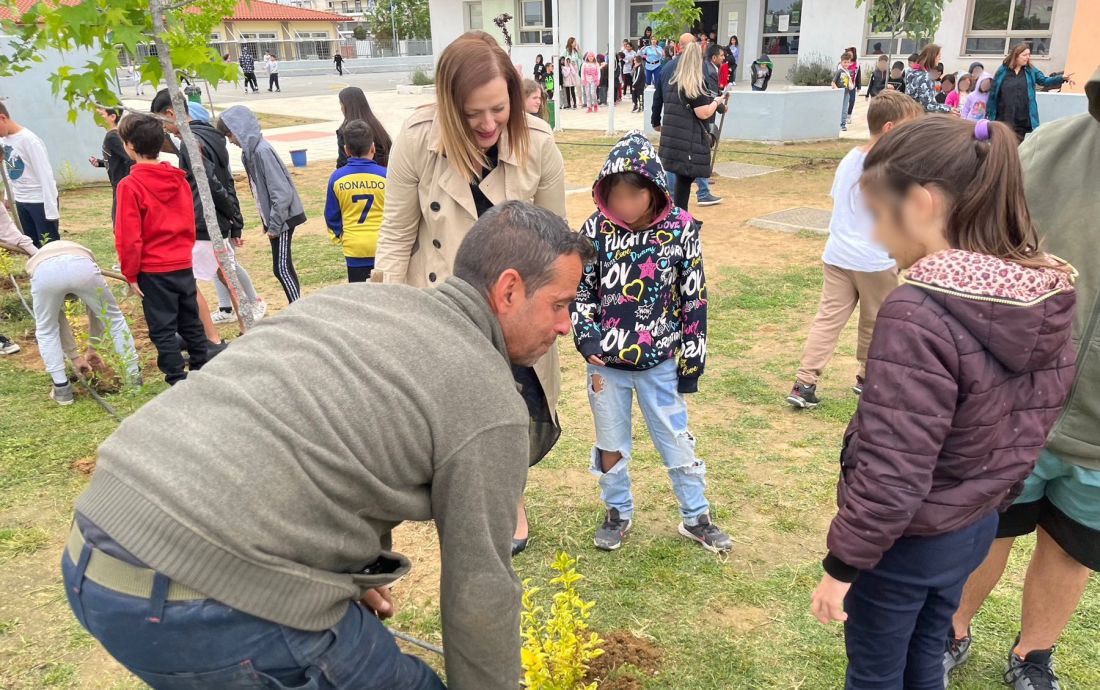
[610, 535]
[707, 535]
[1033, 672]
[7, 347]
[803, 397]
[858, 388]
[956, 654]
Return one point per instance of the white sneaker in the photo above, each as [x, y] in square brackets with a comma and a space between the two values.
[260, 310]
[221, 318]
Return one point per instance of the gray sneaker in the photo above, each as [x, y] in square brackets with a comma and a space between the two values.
[62, 395]
[610, 535]
[708, 535]
[957, 654]
[1033, 672]
[709, 200]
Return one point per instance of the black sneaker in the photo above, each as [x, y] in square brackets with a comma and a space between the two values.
[956, 654]
[708, 535]
[7, 347]
[1033, 672]
[858, 388]
[803, 397]
[611, 533]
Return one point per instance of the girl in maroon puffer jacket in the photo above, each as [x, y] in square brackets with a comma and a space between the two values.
[969, 366]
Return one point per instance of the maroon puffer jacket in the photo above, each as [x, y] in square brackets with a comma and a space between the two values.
[970, 363]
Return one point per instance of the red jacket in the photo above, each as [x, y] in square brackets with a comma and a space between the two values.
[970, 364]
[155, 221]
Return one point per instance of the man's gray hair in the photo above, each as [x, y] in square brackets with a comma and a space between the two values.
[520, 236]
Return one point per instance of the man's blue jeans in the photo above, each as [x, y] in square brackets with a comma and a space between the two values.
[702, 182]
[610, 392]
[188, 645]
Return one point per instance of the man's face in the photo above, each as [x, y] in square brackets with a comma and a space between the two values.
[718, 58]
[170, 126]
[531, 323]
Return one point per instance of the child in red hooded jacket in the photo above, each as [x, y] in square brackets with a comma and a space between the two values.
[154, 236]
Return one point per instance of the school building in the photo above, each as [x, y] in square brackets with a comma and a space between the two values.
[789, 30]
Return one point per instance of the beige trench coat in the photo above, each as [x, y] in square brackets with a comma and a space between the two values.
[429, 208]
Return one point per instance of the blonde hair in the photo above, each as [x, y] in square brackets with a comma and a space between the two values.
[689, 72]
[469, 62]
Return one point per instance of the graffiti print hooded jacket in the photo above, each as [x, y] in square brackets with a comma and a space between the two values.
[643, 300]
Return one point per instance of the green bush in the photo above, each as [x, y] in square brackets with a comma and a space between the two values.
[814, 70]
[422, 78]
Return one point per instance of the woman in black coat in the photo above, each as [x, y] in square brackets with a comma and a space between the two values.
[685, 147]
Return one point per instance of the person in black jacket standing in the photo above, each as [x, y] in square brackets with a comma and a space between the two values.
[115, 158]
[685, 146]
[248, 68]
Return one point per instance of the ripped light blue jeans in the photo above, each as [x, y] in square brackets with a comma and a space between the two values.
[610, 392]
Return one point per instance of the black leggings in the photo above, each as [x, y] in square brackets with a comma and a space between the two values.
[250, 80]
[570, 97]
[359, 274]
[682, 194]
[283, 265]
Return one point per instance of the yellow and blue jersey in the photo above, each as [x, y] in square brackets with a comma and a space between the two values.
[353, 209]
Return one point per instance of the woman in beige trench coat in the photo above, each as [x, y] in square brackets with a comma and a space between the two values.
[452, 161]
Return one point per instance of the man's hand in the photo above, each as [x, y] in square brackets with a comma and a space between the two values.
[137, 290]
[828, 600]
[379, 601]
[93, 161]
[237, 241]
[656, 128]
[80, 363]
[596, 360]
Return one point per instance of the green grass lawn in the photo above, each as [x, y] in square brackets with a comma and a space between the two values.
[718, 623]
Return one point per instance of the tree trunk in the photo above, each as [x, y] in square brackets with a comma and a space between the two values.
[198, 168]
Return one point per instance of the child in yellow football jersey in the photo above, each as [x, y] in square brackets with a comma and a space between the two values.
[355, 201]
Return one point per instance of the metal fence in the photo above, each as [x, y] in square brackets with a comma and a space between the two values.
[376, 48]
[308, 48]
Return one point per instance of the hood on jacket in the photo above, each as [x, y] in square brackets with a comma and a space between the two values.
[212, 140]
[986, 76]
[1092, 90]
[1010, 309]
[763, 60]
[161, 180]
[633, 153]
[244, 126]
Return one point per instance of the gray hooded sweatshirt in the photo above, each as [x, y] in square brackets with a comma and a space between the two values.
[276, 198]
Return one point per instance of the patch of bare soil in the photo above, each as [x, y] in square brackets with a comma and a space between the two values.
[741, 620]
[419, 542]
[621, 648]
[85, 466]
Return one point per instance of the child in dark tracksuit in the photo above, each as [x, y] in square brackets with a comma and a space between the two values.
[640, 321]
[971, 361]
[154, 236]
[637, 89]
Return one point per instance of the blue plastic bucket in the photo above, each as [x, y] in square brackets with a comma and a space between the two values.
[298, 158]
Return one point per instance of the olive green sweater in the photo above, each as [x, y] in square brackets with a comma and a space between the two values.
[1061, 167]
[270, 479]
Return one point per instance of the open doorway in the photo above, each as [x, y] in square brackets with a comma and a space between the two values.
[709, 21]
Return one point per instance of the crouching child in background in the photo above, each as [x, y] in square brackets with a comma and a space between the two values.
[968, 370]
[640, 321]
[355, 201]
[154, 236]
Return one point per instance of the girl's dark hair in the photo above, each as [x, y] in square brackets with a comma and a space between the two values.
[854, 52]
[734, 41]
[1013, 54]
[982, 182]
[927, 57]
[637, 181]
[354, 104]
[538, 59]
[949, 78]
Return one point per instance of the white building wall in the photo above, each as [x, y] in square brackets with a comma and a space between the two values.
[830, 26]
[447, 21]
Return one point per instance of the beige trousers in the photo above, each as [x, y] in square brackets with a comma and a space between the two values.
[841, 291]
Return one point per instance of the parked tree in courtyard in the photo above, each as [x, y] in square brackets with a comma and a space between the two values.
[408, 17]
[676, 17]
[915, 19]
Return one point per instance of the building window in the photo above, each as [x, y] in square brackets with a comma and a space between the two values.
[260, 43]
[782, 22]
[882, 40]
[314, 45]
[996, 26]
[215, 36]
[535, 19]
[471, 16]
[638, 18]
[344, 6]
[358, 5]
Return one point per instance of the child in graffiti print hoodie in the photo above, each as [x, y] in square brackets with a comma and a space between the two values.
[640, 321]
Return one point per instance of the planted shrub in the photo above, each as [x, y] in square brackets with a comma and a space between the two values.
[814, 70]
[557, 645]
[422, 78]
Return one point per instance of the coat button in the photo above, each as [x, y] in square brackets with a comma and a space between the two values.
[431, 277]
[434, 206]
[437, 244]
